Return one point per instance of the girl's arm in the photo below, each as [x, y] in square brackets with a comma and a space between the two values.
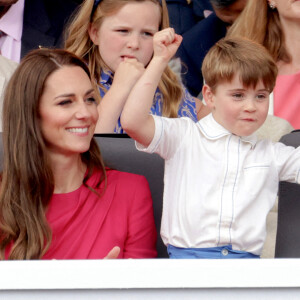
[135, 118]
[111, 105]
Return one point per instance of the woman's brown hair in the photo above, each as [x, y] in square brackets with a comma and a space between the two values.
[27, 182]
[260, 23]
[79, 42]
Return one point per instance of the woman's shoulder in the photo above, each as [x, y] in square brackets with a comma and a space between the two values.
[123, 177]
[128, 186]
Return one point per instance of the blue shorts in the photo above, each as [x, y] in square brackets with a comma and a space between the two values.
[223, 252]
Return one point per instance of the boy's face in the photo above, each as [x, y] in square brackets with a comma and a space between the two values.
[238, 109]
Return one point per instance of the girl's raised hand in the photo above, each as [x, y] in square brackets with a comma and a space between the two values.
[166, 43]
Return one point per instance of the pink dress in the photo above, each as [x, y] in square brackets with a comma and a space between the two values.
[287, 98]
[85, 226]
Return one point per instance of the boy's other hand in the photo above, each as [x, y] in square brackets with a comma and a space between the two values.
[166, 43]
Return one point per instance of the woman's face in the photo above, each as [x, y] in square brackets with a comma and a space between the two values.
[68, 111]
[288, 9]
[230, 13]
[127, 33]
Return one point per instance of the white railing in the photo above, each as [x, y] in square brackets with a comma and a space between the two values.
[153, 278]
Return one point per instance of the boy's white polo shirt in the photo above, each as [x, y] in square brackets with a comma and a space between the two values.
[219, 187]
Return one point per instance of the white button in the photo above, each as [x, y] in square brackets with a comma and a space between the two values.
[225, 252]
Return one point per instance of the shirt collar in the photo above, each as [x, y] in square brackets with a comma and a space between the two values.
[12, 22]
[213, 130]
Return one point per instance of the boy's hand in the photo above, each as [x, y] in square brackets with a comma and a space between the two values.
[166, 43]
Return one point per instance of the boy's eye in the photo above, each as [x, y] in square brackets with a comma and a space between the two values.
[65, 102]
[261, 96]
[238, 96]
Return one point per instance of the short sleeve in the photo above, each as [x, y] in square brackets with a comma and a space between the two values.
[169, 136]
[288, 162]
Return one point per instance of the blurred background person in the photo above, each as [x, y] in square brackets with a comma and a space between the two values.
[276, 25]
[201, 37]
[28, 24]
[7, 67]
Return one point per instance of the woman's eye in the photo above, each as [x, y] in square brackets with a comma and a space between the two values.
[91, 100]
[64, 102]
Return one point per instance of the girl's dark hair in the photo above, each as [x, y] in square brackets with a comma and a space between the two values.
[221, 4]
[27, 182]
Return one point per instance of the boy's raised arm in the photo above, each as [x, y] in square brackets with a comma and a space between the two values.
[135, 118]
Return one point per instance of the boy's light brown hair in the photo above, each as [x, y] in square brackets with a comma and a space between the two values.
[231, 56]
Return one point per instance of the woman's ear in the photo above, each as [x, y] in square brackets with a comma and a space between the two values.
[94, 33]
[208, 96]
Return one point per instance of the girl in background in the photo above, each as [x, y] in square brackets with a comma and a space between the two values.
[115, 39]
[276, 25]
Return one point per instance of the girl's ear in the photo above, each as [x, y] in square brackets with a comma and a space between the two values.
[94, 33]
[208, 96]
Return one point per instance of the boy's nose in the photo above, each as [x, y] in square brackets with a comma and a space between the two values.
[250, 105]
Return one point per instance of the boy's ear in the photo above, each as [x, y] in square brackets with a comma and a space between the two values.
[93, 33]
[208, 95]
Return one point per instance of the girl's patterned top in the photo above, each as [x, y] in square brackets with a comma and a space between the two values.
[187, 107]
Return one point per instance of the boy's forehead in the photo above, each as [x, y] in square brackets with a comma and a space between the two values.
[237, 82]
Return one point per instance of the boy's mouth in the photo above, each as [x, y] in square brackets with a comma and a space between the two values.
[248, 120]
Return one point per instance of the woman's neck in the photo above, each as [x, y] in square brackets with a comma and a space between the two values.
[68, 172]
[291, 31]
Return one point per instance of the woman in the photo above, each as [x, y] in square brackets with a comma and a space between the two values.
[57, 199]
[276, 25]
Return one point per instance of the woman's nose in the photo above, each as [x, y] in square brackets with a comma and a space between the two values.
[83, 111]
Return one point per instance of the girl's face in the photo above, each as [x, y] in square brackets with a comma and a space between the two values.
[127, 33]
[68, 111]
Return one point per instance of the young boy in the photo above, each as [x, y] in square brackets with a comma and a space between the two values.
[220, 182]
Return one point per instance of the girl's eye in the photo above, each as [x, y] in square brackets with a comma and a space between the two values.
[122, 30]
[150, 34]
[64, 102]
